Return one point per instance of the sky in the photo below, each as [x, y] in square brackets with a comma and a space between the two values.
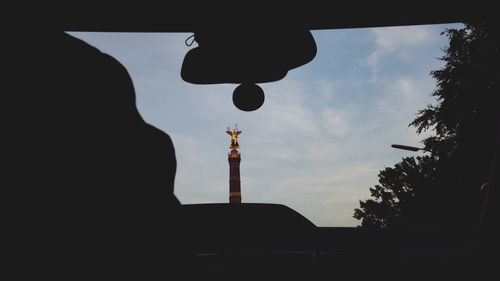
[324, 131]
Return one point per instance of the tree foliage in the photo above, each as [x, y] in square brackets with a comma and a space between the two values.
[394, 195]
[443, 188]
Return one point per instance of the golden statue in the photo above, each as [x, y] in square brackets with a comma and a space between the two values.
[234, 137]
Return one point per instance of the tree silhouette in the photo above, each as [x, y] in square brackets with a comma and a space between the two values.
[395, 195]
[443, 188]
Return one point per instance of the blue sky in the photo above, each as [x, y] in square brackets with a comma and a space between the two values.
[321, 137]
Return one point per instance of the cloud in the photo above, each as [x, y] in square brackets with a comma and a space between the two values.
[398, 39]
[335, 121]
[398, 43]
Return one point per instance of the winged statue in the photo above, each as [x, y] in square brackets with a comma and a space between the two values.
[234, 137]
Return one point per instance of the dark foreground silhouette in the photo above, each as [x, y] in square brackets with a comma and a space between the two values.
[91, 183]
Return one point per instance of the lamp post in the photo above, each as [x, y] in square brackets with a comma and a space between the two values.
[406, 147]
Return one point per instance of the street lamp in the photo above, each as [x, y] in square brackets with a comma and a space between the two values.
[406, 147]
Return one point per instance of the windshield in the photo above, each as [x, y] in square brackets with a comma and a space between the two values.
[324, 132]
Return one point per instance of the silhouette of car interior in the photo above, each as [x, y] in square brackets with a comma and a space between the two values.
[260, 240]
